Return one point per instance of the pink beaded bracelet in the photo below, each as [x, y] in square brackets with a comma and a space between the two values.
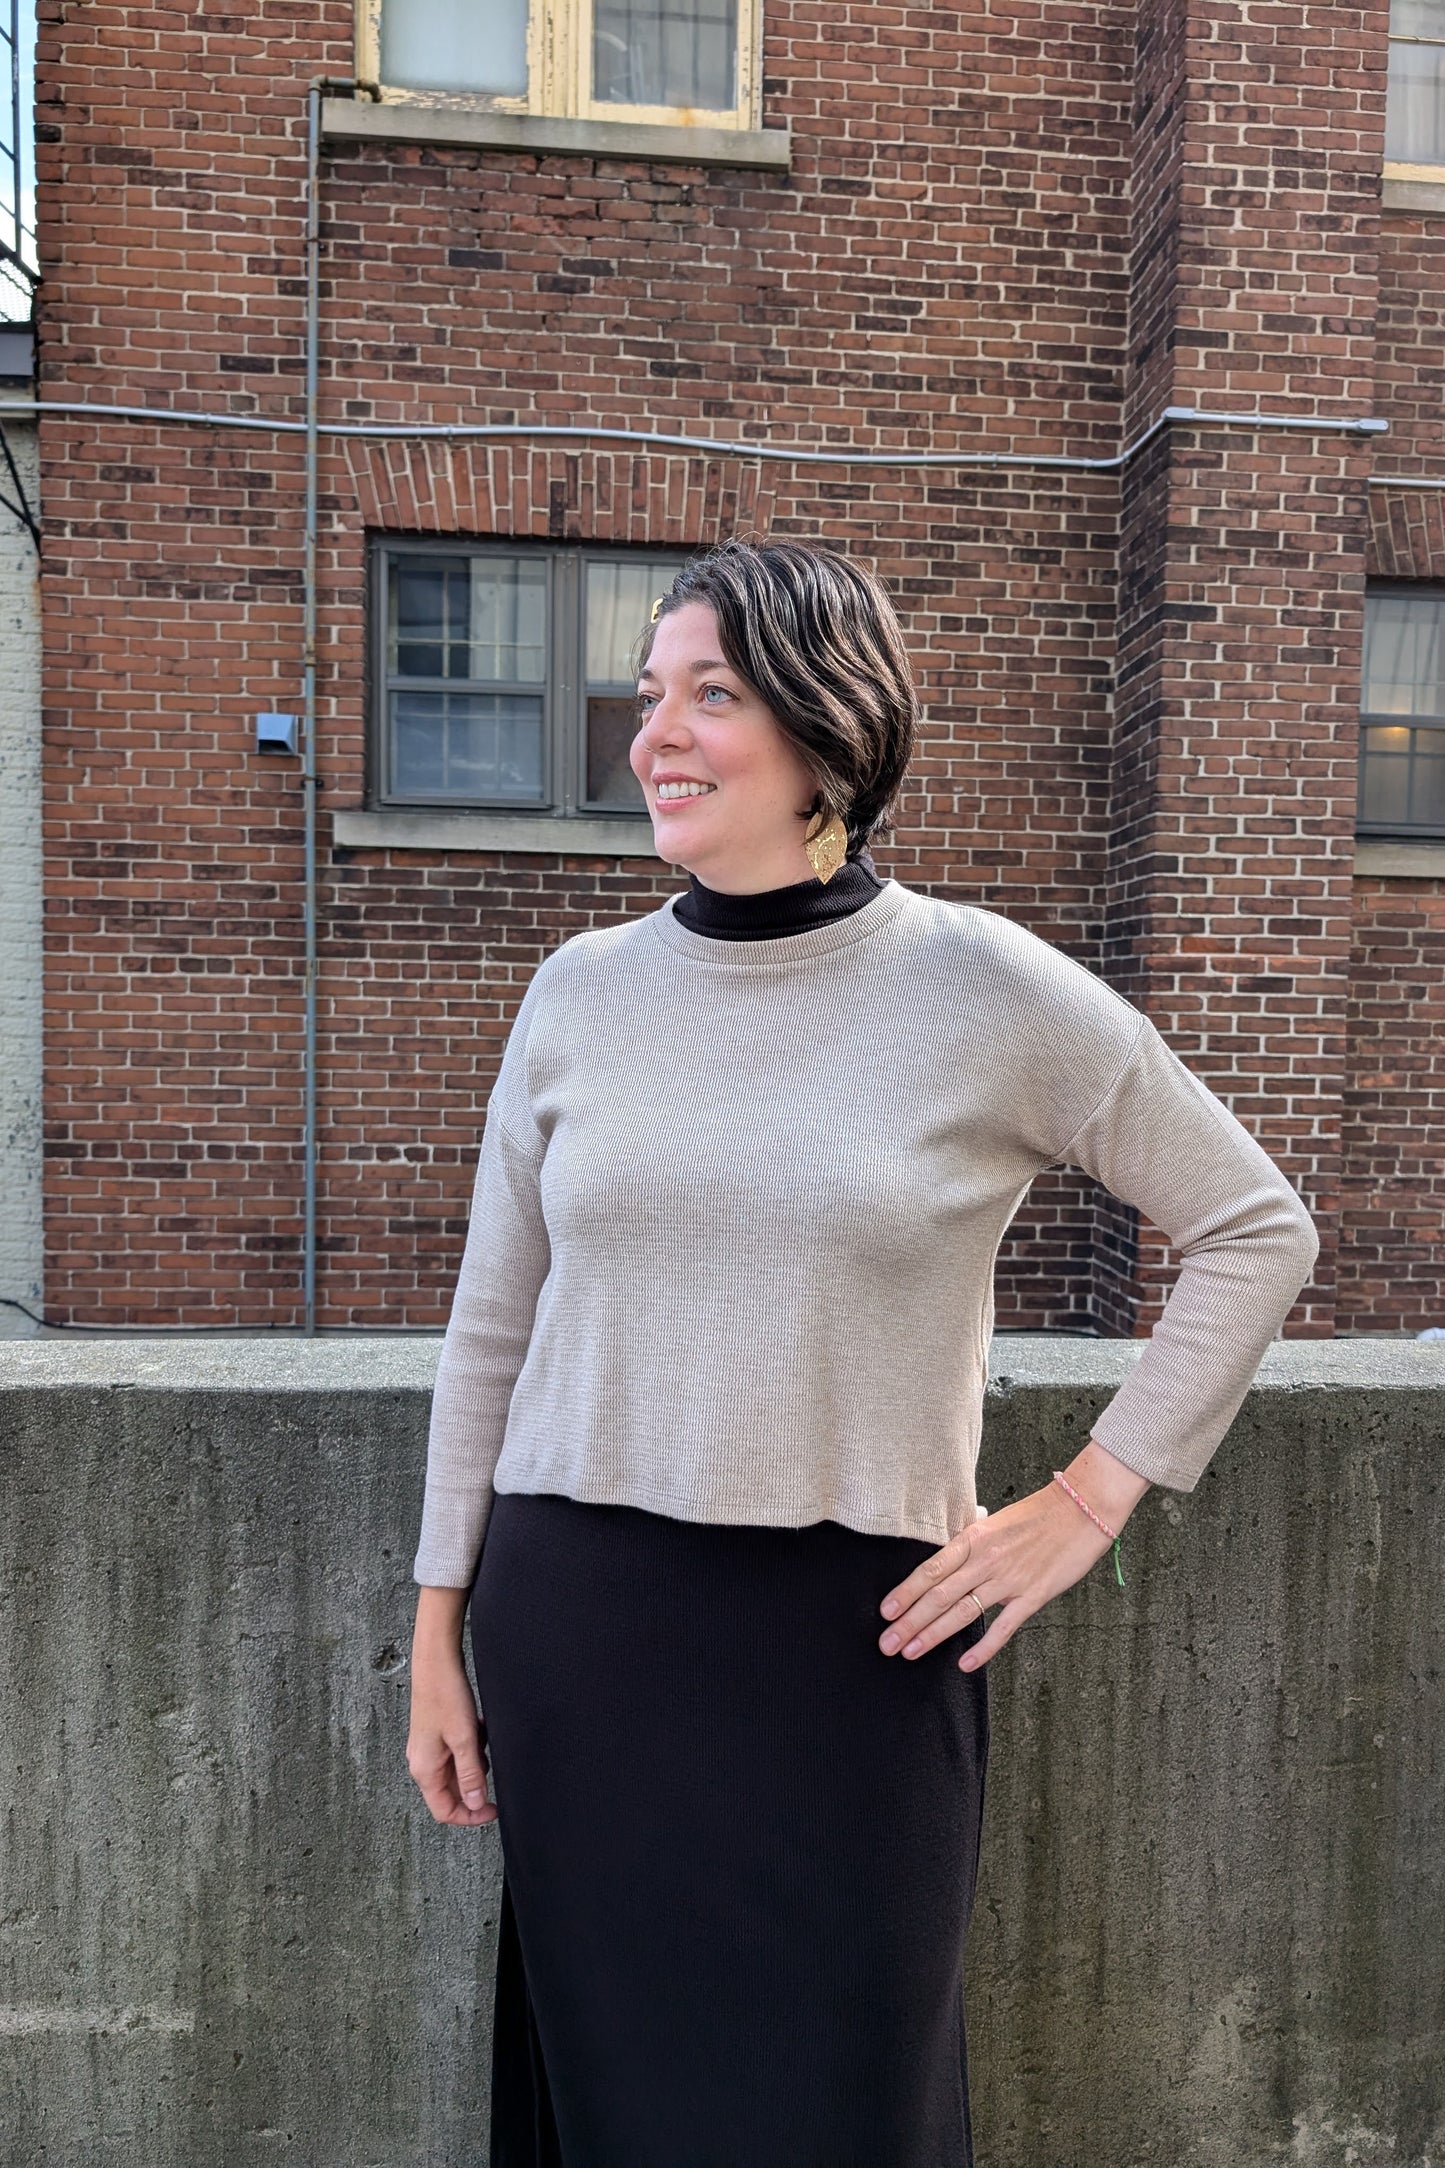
[1084, 1507]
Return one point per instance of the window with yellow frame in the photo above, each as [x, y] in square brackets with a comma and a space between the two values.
[660, 61]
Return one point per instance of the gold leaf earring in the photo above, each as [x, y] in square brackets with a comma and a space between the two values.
[827, 849]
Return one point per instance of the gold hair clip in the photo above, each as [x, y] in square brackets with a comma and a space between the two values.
[657, 609]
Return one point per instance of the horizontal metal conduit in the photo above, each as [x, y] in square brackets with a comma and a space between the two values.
[721, 447]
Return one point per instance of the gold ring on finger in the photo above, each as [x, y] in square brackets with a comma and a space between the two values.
[975, 1602]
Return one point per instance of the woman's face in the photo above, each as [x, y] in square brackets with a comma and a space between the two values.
[701, 725]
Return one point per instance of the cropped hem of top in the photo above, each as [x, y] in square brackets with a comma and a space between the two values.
[737, 1205]
[801, 1509]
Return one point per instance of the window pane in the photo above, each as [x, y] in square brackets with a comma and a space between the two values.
[666, 52]
[1385, 787]
[1415, 105]
[509, 619]
[1405, 654]
[467, 745]
[620, 596]
[430, 617]
[1417, 18]
[1428, 795]
[460, 617]
[611, 728]
[455, 45]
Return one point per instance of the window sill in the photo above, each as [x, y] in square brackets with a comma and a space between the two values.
[1383, 859]
[343, 118]
[397, 829]
[1414, 188]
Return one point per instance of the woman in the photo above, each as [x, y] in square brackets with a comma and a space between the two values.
[712, 1390]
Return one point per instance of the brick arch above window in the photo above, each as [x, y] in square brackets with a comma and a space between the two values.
[1407, 535]
[661, 500]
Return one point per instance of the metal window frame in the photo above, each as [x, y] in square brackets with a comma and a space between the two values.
[383, 683]
[559, 72]
[1379, 590]
[564, 692]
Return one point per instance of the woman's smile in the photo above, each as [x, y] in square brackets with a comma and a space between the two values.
[681, 792]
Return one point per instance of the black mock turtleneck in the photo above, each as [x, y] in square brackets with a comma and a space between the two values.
[797, 908]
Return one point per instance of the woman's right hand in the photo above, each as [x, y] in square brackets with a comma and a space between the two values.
[444, 1746]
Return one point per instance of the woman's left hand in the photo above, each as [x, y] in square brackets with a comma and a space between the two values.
[1019, 1558]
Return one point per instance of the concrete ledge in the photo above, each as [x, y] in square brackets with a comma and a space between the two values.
[478, 128]
[397, 829]
[394, 829]
[1387, 860]
[1413, 188]
[390, 1362]
[260, 1362]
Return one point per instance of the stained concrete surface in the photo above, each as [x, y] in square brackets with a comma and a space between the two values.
[1209, 1923]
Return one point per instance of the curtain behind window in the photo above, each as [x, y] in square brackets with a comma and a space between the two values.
[1405, 655]
[666, 52]
[1415, 112]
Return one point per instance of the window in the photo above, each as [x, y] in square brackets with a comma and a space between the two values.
[1415, 109]
[1402, 727]
[503, 675]
[630, 60]
[665, 53]
[455, 45]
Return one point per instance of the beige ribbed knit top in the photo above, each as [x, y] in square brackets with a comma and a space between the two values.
[732, 1240]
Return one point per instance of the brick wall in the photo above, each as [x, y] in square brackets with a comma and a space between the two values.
[1392, 1204]
[998, 228]
[1392, 1207]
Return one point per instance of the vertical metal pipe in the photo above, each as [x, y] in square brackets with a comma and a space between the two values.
[309, 783]
[308, 697]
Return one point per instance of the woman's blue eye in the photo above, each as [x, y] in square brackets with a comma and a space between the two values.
[646, 702]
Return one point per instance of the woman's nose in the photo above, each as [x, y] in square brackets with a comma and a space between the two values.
[664, 726]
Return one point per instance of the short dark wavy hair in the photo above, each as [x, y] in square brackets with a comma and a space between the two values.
[817, 639]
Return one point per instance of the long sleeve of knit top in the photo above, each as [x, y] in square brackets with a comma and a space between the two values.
[732, 1239]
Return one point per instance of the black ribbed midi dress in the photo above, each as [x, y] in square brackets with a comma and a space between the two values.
[739, 1843]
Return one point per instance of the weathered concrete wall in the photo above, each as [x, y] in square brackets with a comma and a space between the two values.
[1208, 1933]
[20, 891]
